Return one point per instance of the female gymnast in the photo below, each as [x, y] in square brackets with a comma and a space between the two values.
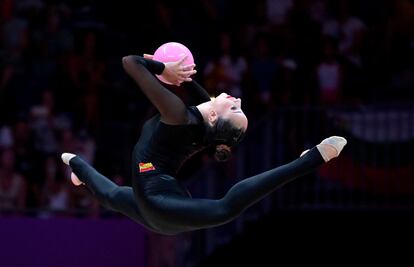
[156, 199]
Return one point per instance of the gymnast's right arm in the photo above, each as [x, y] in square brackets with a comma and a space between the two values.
[170, 106]
[196, 92]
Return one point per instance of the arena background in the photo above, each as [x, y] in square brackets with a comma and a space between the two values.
[305, 69]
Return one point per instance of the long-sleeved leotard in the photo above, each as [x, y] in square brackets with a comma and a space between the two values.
[157, 200]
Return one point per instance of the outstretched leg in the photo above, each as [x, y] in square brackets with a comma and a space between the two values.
[174, 214]
[109, 194]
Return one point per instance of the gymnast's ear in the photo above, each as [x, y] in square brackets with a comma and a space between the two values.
[212, 117]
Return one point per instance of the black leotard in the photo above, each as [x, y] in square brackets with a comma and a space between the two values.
[157, 200]
[167, 147]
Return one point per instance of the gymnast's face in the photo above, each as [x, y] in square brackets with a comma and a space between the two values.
[229, 108]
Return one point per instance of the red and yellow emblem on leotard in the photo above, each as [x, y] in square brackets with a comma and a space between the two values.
[144, 167]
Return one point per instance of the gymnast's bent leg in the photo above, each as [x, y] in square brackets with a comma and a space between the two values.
[109, 194]
[172, 214]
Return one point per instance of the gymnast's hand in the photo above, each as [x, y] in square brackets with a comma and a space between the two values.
[175, 72]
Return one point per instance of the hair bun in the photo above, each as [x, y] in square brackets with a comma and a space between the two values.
[223, 153]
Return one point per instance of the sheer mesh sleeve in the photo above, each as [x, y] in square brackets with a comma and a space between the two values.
[170, 106]
[196, 92]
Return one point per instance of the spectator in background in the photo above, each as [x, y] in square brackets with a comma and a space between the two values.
[225, 72]
[329, 75]
[55, 192]
[14, 31]
[14, 36]
[6, 137]
[67, 140]
[50, 42]
[348, 30]
[353, 30]
[86, 71]
[23, 149]
[12, 184]
[278, 11]
[263, 70]
[6, 10]
[43, 124]
[286, 91]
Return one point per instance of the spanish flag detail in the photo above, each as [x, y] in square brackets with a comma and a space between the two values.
[144, 167]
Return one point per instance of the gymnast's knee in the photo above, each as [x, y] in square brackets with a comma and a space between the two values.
[108, 198]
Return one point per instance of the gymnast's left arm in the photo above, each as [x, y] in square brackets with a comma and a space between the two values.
[170, 106]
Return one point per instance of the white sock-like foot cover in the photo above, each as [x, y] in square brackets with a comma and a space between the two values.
[75, 180]
[66, 157]
[336, 142]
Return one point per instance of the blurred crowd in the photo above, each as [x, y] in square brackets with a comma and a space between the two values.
[62, 87]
